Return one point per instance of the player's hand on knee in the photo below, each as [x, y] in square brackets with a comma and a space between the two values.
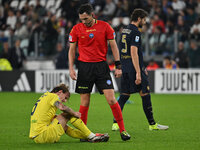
[77, 114]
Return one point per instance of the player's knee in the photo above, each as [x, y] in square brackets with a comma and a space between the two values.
[63, 118]
[66, 115]
[112, 101]
[65, 128]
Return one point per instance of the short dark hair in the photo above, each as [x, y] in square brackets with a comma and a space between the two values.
[85, 8]
[59, 87]
[138, 13]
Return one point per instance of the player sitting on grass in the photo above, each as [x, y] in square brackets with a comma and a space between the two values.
[46, 127]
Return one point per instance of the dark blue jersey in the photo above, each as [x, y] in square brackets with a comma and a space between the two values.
[131, 36]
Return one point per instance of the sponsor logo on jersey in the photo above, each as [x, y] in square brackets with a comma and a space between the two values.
[90, 30]
[137, 39]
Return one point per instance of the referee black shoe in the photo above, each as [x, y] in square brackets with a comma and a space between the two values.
[125, 136]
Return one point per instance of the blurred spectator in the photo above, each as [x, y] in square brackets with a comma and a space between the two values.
[29, 16]
[51, 36]
[35, 36]
[109, 9]
[171, 14]
[11, 37]
[157, 41]
[182, 29]
[2, 19]
[151, 6]
[157, 22]
[20, 17]
[39, 9]
[120, 11]
[25, 8]
[21, 31]
[6, 9]
[181, 57]
[165, 5]
[169, 44]
[69, 10]
[196, 27]
[191, 15]
[195, 30]
[169, 64]
[191, 3]
[161, 13]
[197, 9]
[11, 19]
[62, 57]
[178, 5]
[194, 55]
[16, 56]
[4, 53]
[152, 65]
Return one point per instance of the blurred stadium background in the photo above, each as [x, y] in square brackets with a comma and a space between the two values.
[40, 28]
[34, 58]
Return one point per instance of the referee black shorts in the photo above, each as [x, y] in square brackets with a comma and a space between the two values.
[90, 73]
[128, 83]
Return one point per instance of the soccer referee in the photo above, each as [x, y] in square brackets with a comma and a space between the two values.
[91, 36]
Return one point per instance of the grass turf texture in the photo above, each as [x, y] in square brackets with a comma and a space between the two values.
[180, 112]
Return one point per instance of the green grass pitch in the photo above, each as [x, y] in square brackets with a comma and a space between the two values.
[180, 112]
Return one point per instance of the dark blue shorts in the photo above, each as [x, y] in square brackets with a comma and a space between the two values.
[97, 73]
[128, 83]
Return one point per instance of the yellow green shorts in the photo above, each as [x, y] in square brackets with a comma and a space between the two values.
[52, 133]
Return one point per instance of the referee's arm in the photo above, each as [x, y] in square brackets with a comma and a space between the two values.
[114, 49]
[71, 56]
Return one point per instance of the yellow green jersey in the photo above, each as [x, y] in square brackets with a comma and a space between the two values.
[43, 113]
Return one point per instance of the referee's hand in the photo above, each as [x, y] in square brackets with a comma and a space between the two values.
[118, 73]
[72, 74]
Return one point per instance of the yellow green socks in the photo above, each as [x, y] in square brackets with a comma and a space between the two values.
[79, 124]
[75, 133]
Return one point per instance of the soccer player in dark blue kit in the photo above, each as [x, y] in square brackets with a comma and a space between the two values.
[134, 75]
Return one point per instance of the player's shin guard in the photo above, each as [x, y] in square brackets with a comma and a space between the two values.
[84, 113]
[79, 124]
[122, 100]
[147, 106]
[75, 133]
[117, 113]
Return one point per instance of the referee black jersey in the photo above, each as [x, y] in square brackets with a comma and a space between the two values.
[131, 36]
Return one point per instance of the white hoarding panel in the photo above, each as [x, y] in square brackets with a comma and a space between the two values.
[45, 80]
[177, 81]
